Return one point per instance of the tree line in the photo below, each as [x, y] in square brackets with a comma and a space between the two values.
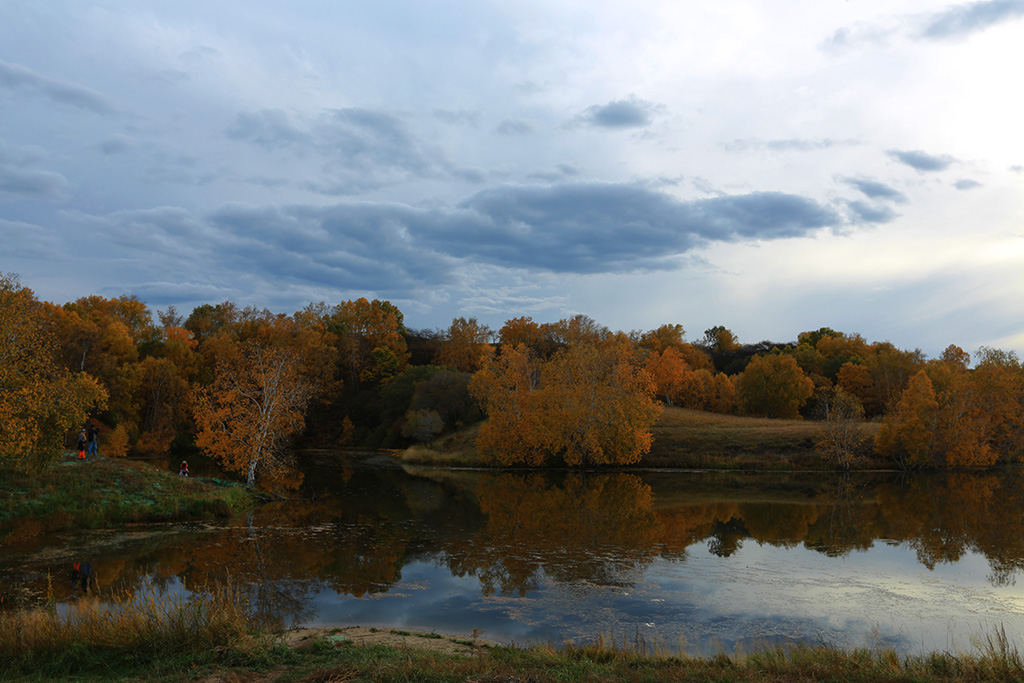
[245, 385]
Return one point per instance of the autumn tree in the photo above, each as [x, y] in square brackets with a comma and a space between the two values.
[842, 418]
[39, 399]
[719, 339]
[700, 390]
[939, 421]
[589, 404]
[667, 370]
[773, 386]
[891, 368]
[522, 330]
[664, 337]
[999, 378]
[599, 405]
[857, 380]
[465, 344]
[370, 339]
[258, 398]
[508, 388]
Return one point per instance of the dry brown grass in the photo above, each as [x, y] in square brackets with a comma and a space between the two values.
[145, 625]
[693, 438]
[682, 438]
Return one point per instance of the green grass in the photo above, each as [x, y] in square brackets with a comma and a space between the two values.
[103, 492]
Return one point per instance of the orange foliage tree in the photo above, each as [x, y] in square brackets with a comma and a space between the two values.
[667, 370]
[257, 401]
[508, 387]
[773, 386]
[39, 400]
[908, 433]
[465, 345]
[952, 416]
[589, 404]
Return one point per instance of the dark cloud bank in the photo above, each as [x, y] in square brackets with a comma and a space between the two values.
[580, 228]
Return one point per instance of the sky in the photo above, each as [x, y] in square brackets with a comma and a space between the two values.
[772, 167]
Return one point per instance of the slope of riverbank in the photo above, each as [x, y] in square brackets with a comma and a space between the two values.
[103, 492]
[218, 650]
[686, 439]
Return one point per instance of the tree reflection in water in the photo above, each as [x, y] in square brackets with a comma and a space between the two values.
[586, 527]
[512, 531]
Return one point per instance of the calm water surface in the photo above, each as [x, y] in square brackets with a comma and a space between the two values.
[692, 561]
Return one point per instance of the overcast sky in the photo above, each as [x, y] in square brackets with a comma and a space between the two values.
[769, 166]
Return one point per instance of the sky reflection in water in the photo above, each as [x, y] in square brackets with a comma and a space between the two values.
[691, 562]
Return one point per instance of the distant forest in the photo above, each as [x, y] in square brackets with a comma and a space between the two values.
[247, 386]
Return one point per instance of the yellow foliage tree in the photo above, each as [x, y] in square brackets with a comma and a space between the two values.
[508, 387]
[39, 399]
[667, 369]
[948, 416]
[256, 403]
[773, 386]
[465, 345]
[590, 404]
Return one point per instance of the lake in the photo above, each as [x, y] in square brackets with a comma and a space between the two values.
[695, 562]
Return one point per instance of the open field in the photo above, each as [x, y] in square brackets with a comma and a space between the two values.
[102, 492]
[682, 438]
[693, 438]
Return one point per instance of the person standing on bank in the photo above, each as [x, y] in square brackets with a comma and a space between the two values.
[81, 444]
[92, 440]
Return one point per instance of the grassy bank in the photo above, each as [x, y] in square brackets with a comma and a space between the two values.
[103, 492]
[682, 438]
[212, 636]
[692, 438]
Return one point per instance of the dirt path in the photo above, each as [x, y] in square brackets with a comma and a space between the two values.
[359, 635]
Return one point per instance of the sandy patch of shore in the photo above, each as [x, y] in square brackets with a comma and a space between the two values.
[359, 635]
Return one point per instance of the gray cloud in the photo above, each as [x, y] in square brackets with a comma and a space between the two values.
[18, 180]
[864, 212]
[785, 145]
[270, 129]
[872, 189]
[116, 144]
[631, 112]
[174, 293]
[515, 127]
[457, 117]
[364, 246]
[17, 77]
[26, 240]
[362, 149]
[961, 20]
[966, 184]
[852, 36]
[560, 173]
[922, 161]
[595, 227]
[1017, 168]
